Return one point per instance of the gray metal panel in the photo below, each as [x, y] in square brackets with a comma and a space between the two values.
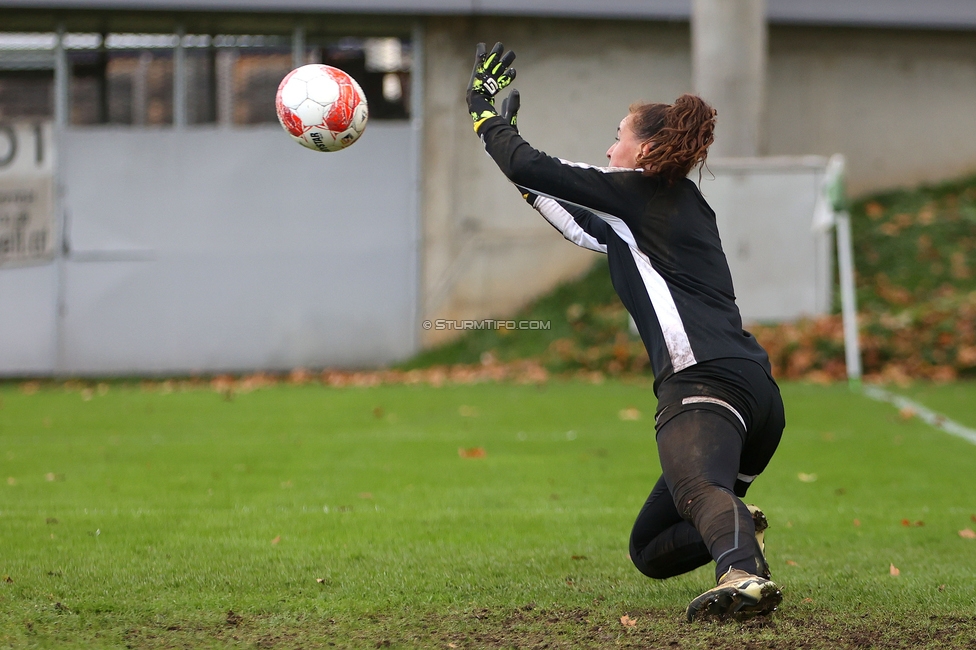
[28, 299]
[764, 209]
[209, 250]
[950, 14]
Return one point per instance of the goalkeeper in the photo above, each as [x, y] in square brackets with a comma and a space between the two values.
[720, 416]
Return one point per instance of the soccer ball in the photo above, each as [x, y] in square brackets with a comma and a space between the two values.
[321, 107]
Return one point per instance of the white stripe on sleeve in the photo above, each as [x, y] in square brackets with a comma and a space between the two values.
[564, 222]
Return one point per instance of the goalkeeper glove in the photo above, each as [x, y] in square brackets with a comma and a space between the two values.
[510, 106]
[491, 73]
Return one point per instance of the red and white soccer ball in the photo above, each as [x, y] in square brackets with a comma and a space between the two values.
[321, 107]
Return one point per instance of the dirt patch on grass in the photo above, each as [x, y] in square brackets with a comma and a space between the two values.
[540, 628]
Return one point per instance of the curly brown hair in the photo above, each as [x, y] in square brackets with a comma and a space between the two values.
[680, 133]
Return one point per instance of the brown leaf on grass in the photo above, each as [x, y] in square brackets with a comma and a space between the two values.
[579, 557]
[792, 563]
[275, 541]
[808, 600]
[973, 517]
[967, 533]
[906, 413]
[909, 523]
[629, 414]
[627, 621]
[857, 523]
[299, 376]
[472, 452]
[365, 495]
[893, 570]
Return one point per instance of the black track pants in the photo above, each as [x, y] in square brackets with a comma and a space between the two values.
[717, 430]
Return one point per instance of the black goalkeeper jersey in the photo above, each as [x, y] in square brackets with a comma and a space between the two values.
[662, 244]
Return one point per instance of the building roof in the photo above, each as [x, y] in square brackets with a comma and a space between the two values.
[935, 14]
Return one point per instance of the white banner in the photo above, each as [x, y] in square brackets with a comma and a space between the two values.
[26, 193]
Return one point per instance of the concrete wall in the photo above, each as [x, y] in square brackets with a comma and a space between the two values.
[898, 104]
[485, 251]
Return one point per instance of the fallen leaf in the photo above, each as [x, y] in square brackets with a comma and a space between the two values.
[905, 522]
[365, 495]
[627, 621]
[967, 533]
[906, 413]
[472, 452]
[973, 517]
[378, 412]
[857, 523]
[893, 570]
[320, 580]
[579, 557]
[792, 563]
[942, 587]
[808, 600]
[629, 414]
[275, 541]
[452, 645]
[807, 478]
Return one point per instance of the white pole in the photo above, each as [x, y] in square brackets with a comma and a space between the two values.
[845, 260]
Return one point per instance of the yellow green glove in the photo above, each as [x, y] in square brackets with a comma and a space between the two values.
[492, 72]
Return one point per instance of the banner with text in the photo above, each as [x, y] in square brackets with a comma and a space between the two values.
[27, 224]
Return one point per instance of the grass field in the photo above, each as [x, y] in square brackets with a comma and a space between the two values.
[303, 516]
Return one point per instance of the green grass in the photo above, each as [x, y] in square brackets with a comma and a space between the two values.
[307, 517]
[953, 400]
